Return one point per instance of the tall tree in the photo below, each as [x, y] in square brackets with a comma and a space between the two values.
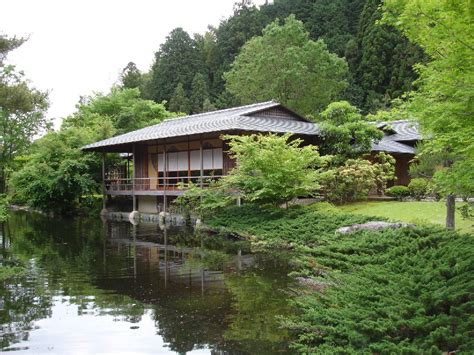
[246, 22]
[7, 44]
[382, 65]
[208, 106]
[120, 111]
[199, 93]
[284, 64]
[22, 110]
[131, 77]
[179, 101]
[444, 100]
[177, 61]
[207, 47]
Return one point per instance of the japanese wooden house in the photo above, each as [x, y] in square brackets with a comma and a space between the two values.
[190, 149]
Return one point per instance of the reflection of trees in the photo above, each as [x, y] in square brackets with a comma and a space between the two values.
[66, 258]
[72, 261]
[191, 320]
[25, 300]
[258, 303]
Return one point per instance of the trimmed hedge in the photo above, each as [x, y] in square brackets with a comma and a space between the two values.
[398, 191]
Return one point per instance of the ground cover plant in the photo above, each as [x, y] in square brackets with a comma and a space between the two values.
[397, 291]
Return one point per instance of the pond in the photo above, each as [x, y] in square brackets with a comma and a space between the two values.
[111, 287]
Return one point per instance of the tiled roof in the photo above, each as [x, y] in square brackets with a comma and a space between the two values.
[396, 133]
[392, 147]
[252, 118]
[243, 118]
[405, 130]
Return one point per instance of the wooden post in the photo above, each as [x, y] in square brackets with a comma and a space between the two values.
[134, 175]
[450, 202]
[189, 163]
[103, 183]
[165, 180]
[201, 156]
[450, 211]
[127, 175]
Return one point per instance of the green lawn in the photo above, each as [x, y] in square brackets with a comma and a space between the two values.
[412, 212]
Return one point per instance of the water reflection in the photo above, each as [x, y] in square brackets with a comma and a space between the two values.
[113, 287]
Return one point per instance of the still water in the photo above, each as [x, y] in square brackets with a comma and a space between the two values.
[110, 287]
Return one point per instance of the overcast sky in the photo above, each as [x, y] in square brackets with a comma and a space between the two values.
[76, 47]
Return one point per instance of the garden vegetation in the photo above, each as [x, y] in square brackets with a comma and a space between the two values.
[396, 291]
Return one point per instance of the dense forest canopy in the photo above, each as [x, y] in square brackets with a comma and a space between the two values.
[379, 56]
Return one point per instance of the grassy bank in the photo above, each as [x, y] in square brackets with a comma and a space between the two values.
[417, 212]
[407, 290]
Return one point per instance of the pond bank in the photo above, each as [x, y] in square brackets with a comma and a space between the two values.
[405, 290]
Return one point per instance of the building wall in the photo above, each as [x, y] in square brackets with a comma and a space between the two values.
[181, 157]
[402, 164]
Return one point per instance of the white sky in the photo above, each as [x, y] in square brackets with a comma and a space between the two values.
[76, 47]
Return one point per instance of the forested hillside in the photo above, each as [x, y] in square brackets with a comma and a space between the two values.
[188, 69]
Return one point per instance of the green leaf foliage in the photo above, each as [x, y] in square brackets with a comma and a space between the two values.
[179, 101]
[396, 291]
[3, 208]
[380, 58]
[419, 188]
[443, 101]
[56, 174]
[400, 192]
[131, 77]
[345, 133]
[22, 110]
[177, 61]
[286, 65]
[273, 169]
[118, 112]
[354, 179]
[382, 61]
[199, 94]
[203, 202]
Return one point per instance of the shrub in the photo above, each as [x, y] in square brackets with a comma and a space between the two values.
[419, 188]
[398, 191]
[406, 291]
[202, 202]
[273, 169]
[90, 205]
[354, 180]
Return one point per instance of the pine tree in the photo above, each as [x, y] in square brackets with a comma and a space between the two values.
[208, 106]
[179, 101]
[199, 93]
[176, 62]
[131, 77]
[383, 65]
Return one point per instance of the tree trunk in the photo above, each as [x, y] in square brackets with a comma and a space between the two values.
[2, 180]
[450, 210]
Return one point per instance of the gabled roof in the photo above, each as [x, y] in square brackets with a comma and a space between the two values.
[392, 147]
[257, 117]
[396, 134]
[403, 130]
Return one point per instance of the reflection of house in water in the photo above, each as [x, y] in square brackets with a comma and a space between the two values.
[159, 251]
